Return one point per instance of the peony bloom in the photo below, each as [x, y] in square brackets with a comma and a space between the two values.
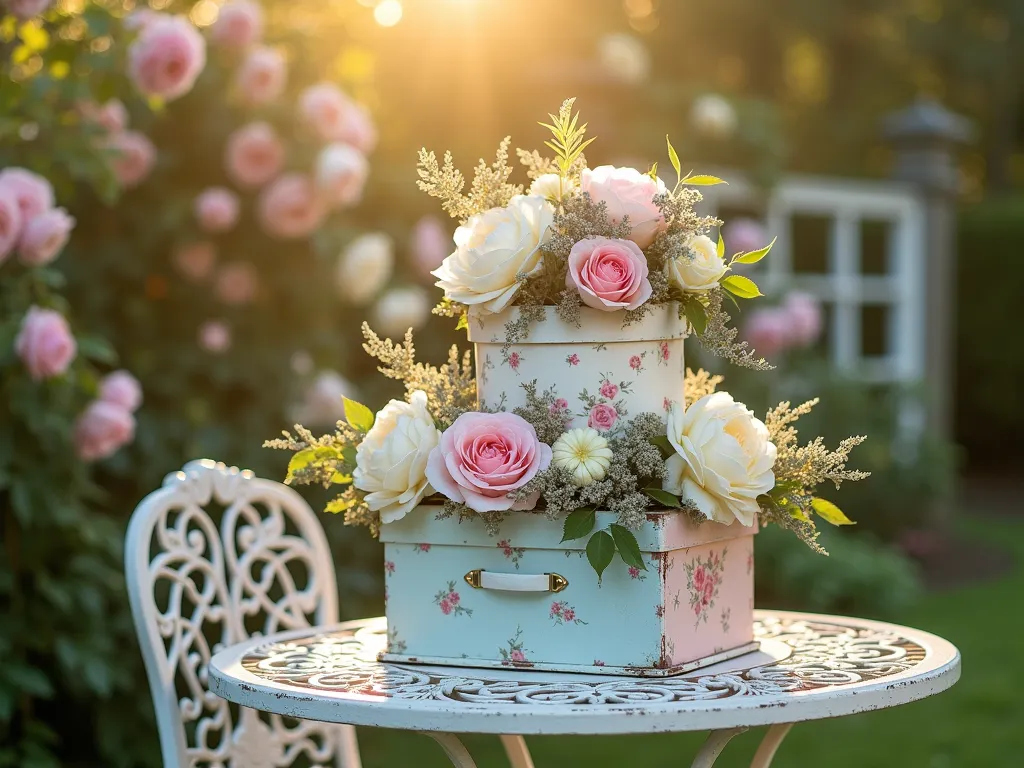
[102, 429]
[216, 209]
[44, 237]
[10, 222]
[262, 76]
[45, 344]
[290, 208]
[167, 57]
[491, 249]
[239, 25]
[195, 261]
[215, 336]
[584, 453]
[254, 155]
[365, 267]
[333, 116]
[627, 192]
[723, 459]
[484, 456]
[27, 9]
[237, 283]
[134, 157]
[429, 244]
[624, 57]
[122, 389]
[767, 331]
[699, 273]
[391, 460]
[33, 193]
[743, 235]
[609, 274]
[341, 172]
[803, 313]
[552, 187]
[400, 309]
[713, 116]
[112, 116]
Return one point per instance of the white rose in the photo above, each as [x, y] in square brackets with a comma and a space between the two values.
[627, 192]
[400, 309]
[547, 186]
[391, 460]
[364, 267]
[341, 172]
[491, 249]
[699, 273]
[713, 116]
[723, 458]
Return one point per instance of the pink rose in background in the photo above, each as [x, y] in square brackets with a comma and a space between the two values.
[33, 193]
[609, 390]
[134, 157]
[483, 456]
[111, 116]
[805, 321]
[237, 283]
[341, 172]
[262, 76]
[167, 57]
[195, 260]
[102, 429]
[44, 237]
[254, 155]
[45, 344]
[27, 9]
[289, 207]
[239, 25]
[216, 209]
[429, 243]
[742, 235]
[627, 192]
[358, 129]
[609, 274]
[122, 389]
[10, 222]
[325, 109]
[602, 417]
[767, 330]
[215, 336]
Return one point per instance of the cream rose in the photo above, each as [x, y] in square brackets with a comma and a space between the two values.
[491, 249]
[699, 273]
[723, 458]
[551, 186]
[391, 460]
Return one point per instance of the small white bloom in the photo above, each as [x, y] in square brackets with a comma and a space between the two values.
[713, 116]
[341, 172]
[364, 267]
[624, 57]
[547, 186]
[699, 273]
[392, 459]
[400, 309]
[583, 452]
[723, 459]
[321, 404]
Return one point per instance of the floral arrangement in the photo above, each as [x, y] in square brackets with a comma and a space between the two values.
[615, 240]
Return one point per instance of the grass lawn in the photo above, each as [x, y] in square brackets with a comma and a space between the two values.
[980, 722]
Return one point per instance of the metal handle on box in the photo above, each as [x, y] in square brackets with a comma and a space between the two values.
[516, 582]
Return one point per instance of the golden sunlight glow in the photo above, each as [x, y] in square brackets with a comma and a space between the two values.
[388, 13]
[204, 13]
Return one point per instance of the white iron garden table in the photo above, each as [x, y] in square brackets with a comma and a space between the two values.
[809, 667]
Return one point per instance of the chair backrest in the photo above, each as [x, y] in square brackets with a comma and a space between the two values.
[196, 585]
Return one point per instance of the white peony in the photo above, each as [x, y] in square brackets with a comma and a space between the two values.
[491, 249]
[713, 116]
[400, 309]
[547, 186]
[364, 267]
[583, 452]
[700, 273]
[391, 460]
[723, 458]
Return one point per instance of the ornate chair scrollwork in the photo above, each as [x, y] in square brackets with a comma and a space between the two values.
[196, 586]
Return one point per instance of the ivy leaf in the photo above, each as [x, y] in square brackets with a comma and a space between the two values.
[662, 444]
[358, 415]
[600, 551]
[664, 498]
[703, 181]
[741, 286]
[830, 512]
[752, 257]
[579, 523]
[673, 158]
[625, 543]
[697, 316]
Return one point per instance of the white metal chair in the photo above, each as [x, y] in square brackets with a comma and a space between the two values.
[196, 586]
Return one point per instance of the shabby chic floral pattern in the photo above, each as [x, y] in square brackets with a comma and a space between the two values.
[421, 548]
[514, 554]
[563, 613]
[703, 578]
[450, 602]
[516, 651]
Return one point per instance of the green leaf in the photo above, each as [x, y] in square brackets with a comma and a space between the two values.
[579, 523]
[697, 316]
[752, 257]
[662, 444]
[96, 349]
[830, 512]
[600, 551]
[664, 498]
[625, 543]
[741, 286]
[299, 462]
[653, 172]
[358, 415]
[703, 181]
[720, 248]
[673, 158]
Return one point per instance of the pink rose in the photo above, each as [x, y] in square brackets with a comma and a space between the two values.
[33, 193]
[111, 116]
[568, 615]
[44, 237]
[262, 76]
[699, 576]
[239, 25]
[453, 598]
[237, 283]
[10, 222]
[483, 456]
[709, 590]
[627, 192]
[602, 417]
[195, 260]
[517, 656]
[609, 390]
[742, 235]
[45, 344]
[636, 363]
[327, 110]
[215, 336]
[216, 209]
[101, 429]
[122, 389]
[573, 359]
[430, 243]
[446, 607]
[341, 172]
[767, 331]
[134, 156]
[559, 405]
[609, 274]
[254, 155]
[27, 9]
[167, 57]
[357, 129]
[289, 207]
[804, 314]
